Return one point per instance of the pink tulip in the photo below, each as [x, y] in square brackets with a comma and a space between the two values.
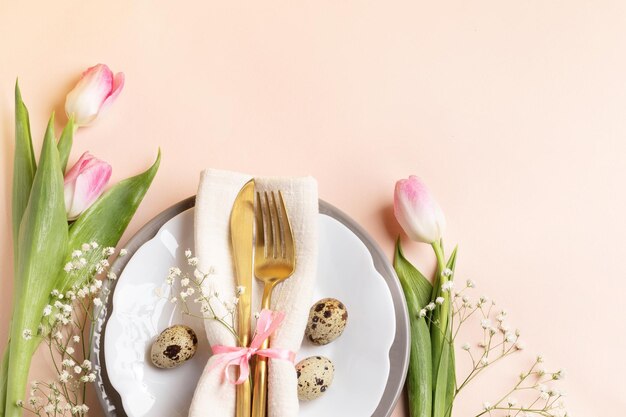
[84, 183]
[97, 88]
[417, 211]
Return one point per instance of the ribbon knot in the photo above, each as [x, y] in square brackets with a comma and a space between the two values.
[240, 356]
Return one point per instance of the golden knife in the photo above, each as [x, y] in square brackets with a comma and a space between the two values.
[241, 235]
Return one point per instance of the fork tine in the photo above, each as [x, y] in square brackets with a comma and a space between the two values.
[276, 216]
[274, 225]
[260, 229]
[287, 233]
[270, 217]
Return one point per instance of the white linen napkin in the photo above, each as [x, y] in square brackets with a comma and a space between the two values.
[217, 191]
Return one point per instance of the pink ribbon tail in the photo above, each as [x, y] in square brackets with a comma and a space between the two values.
[267, 324]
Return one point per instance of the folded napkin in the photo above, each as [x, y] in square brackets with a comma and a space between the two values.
[215, 397]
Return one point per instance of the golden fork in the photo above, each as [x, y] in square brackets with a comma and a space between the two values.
[274, 262]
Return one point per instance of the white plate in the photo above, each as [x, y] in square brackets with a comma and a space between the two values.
[346, 271]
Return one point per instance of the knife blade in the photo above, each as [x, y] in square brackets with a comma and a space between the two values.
[241, 235]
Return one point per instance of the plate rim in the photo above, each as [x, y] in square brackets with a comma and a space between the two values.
[110, 400]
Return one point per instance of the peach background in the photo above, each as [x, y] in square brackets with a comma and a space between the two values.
[513, 111]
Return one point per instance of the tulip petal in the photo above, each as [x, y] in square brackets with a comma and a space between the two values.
[84, 183]
[118, 85]
[82, 162]
[417, 211]
[86, 99]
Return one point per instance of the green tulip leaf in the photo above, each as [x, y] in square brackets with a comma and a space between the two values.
[42, 245]
[417, 292]
[65, 143]
[24, 166]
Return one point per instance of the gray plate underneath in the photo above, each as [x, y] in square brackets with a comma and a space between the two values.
[398, 355]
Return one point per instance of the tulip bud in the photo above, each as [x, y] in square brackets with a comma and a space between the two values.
[417, 211]
[84, 183]
[97, 88]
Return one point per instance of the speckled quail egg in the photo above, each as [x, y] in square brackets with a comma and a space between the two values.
[327, 321]
[315, 375]
[173, 346]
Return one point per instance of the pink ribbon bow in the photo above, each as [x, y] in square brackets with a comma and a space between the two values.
[267, 323]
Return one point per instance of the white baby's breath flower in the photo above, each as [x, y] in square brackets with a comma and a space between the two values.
[241, 290]
[422, 313]
[199, 275]
[69, 350]
[466, 346]
[512, 402]
[487, 406]
[447, 286]
[78, 370]
[470, 283]
[76, 338]
[257, 315]
[485, 323]
[68, 363]
[484, 361]
[510, 337]
[94, 245]
[173, 300]
[97, 302]
[184, 282]
[439, 300]
[430, 306]
[68, 267]
[47, 310]
[76, 254]
[192, 261]
[188, 253]
[123, 252]
[108, 251]
[64, 376]
[112, 276]
[86, 364]
[560, 374]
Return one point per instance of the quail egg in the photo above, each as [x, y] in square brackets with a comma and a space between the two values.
[173, 346]
[315, 375]
[327, 321]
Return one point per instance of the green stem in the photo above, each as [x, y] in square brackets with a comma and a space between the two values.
[4, 374]
[21, 356]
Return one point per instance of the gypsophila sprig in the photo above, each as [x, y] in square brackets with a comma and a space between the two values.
[534, 392]
[190, 286]
[65, 327]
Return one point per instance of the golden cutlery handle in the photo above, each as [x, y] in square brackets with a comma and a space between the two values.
[259, 395]
[243, 399]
